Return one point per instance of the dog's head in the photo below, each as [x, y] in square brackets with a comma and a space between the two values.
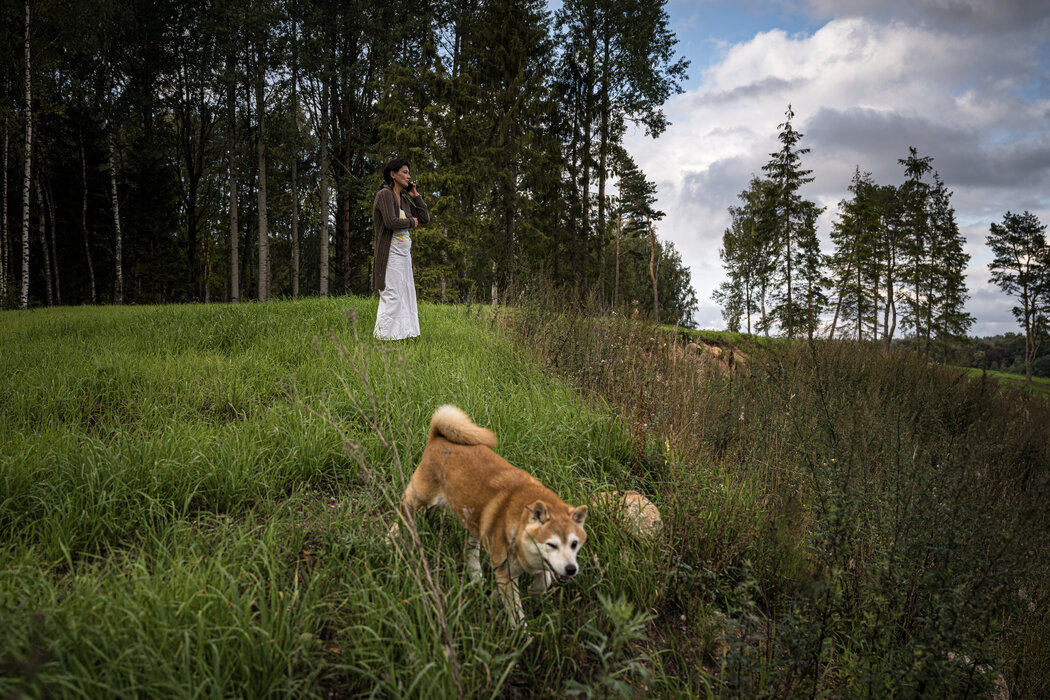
[557, 534]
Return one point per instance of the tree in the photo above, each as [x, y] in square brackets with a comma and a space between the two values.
[259, 56]
[620, 58]
[948, 320]
[1021, 268]
[196, 117]
[934, 260]
[794, 219]
[916, 271]
[749, 254]
[855, 265]
[232, 43]
[5, 241]
[28, 167]
[293, 9]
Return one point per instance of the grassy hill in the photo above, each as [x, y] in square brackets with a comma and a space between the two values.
[195, 500]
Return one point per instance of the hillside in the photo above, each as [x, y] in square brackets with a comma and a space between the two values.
[196, 499]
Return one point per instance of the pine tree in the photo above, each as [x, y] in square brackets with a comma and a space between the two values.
[1021, 268]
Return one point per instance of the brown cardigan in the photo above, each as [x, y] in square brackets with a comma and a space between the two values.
[386, 219]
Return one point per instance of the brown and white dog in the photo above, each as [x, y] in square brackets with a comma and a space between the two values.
[524, 526]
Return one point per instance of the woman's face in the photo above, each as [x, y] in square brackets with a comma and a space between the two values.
[401, 177]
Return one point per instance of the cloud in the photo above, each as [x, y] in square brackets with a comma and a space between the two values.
[864, 87]
[968, 16]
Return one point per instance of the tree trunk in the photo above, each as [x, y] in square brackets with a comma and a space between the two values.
[344, 225]
[585, 161]
[616, 279]
[118, 282]
[231, 156]
[27, 174]
[791, 303]
[652, 268]
[50, 199]
[603, 148]
[323, 233]
[1029, 335]
[83, 223]
[295, 162]
[5, 232]
[42, 230]
[264, 235]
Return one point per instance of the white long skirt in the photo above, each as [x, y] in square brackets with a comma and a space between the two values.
[398, 317]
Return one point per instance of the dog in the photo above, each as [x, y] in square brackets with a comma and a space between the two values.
[524, 526]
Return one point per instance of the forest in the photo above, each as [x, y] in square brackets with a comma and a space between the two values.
[230, 150]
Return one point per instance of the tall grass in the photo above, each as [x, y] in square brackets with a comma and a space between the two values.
[195, 500]
[841, 522]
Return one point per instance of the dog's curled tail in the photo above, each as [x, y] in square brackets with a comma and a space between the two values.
[455, 426]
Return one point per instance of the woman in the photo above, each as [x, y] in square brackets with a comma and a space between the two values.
[398, 207]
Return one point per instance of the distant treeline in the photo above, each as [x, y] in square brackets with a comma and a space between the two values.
[171, 151]
[1004, 353]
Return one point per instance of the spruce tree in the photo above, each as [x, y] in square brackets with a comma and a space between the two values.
[798, 301]
[949, 321]
[915, 271]
[855, 264]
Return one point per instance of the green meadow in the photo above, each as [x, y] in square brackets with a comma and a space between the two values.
[194, 502]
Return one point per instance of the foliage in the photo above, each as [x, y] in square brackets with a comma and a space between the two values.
[1004, 353]
[472, 94]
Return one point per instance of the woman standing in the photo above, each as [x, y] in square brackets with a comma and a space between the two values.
[398, 207]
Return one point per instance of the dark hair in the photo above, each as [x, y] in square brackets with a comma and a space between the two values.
[392, 167]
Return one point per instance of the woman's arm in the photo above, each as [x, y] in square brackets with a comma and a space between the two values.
[421, 211]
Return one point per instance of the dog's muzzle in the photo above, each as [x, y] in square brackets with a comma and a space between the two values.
[570, 571]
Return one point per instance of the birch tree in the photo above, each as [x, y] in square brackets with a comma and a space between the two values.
[5, 234]
[28, 168]
[83, 222]
[118, 240]
[295, 153]
[260, 150]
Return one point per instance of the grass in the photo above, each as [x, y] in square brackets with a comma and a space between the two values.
[1040, 386]
[849, 522]
[194, 501]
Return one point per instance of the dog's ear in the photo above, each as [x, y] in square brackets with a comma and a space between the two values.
[579, 515]
[538, 512]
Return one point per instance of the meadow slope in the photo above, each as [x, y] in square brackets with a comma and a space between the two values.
[195, 499]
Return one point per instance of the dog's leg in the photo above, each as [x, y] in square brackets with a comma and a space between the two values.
[473, 558]
[541, 582]
[508, 591]
[411, 505]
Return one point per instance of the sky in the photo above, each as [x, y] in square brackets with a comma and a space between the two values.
[966, 82]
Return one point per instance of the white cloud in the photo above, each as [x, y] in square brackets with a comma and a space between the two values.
[863, 90]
